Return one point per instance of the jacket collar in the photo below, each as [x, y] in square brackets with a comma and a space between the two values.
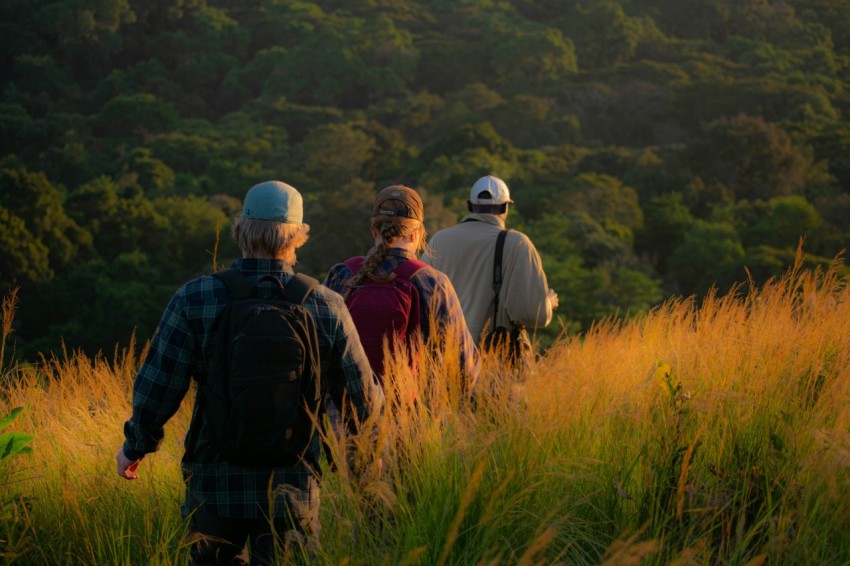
[395, 252]
[257, 266]
[488, 218]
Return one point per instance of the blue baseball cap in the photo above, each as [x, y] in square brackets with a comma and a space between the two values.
[274, 200]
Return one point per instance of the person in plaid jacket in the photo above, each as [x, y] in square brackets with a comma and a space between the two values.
[229, 504]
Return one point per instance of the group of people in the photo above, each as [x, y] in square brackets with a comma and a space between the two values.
[470, 281]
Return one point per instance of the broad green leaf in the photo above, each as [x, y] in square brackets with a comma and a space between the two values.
[6, 420]
[13, 443]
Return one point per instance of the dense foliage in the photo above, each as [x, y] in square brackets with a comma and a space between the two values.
[652, 147]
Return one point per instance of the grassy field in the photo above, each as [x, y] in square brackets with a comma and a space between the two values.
[710, 434]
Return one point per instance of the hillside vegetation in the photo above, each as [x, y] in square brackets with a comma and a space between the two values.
[654, 148]
[712, 435]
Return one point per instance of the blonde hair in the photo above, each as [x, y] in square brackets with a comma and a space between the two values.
[269, 239]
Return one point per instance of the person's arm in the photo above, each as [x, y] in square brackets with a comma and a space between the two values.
[525, 296]
[448, 315]
[352, 385]
[469, 359]
[159, 388]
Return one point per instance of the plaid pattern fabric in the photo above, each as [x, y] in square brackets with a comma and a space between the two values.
[435, 292]
[179, 353]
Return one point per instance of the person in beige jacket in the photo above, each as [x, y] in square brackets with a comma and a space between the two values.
[465, 252]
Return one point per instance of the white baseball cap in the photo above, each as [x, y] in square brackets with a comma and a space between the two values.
[489, 190]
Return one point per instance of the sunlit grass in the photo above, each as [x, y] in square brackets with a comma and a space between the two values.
[692, 435]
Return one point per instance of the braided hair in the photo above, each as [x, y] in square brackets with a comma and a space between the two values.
[390, 229]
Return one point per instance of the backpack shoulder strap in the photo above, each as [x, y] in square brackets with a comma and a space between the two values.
[354, 263]
[236, 283]
[409, 268]
[497, 272]
[404, 271]
[299, 288]
[497, 261]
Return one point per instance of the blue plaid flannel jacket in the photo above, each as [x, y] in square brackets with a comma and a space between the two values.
[179, 353]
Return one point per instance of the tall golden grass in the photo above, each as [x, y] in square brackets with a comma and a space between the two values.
[706, 433]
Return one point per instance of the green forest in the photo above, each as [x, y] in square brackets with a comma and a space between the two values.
[653, 148]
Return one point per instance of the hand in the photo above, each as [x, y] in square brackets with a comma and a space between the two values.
[553, 299]
[126, 467]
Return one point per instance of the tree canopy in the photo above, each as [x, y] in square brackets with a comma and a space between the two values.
[651, 147]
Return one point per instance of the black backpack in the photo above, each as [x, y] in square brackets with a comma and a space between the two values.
[261, 396]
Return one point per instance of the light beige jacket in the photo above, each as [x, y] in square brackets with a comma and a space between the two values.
[465, 252]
